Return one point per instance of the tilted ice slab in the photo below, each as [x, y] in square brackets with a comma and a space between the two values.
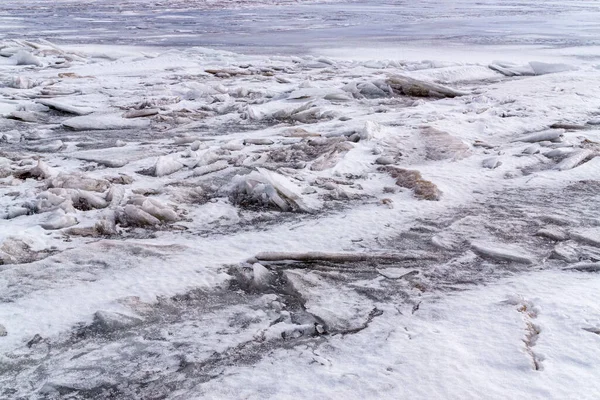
[501, 252]
[66, 107]
[104, 122]
[532, 68]
[115, 157]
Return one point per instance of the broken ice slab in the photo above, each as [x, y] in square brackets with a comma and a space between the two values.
[553, 233]
[59, 220]
[115, 157]
[413, 87]
[146, 112]
[576, 158]
[585, 267]
[587, 236]
[104, 122]
[109, 321]
[501, 252]
[166, 165]
[491, 163]
[532, 68]
[548, 134]
[66, 107]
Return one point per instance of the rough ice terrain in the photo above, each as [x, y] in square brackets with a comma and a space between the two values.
[330, 206]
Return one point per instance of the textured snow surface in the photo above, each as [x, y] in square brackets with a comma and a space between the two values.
[187, 223]
[475, 344]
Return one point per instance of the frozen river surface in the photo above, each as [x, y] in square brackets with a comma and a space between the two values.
[284, 26]
[273, 199]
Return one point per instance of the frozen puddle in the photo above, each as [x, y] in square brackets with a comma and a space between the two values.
[199, 223]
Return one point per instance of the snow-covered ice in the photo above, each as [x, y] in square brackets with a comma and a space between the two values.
[414, 219]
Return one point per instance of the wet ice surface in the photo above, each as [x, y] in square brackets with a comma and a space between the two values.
[257, 26]
[184, 223]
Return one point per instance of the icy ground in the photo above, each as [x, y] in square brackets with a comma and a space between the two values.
[192, 223]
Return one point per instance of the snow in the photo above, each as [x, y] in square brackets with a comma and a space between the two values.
[447, 349]
[212, 222]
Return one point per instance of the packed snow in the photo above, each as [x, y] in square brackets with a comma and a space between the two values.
[412, 221]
